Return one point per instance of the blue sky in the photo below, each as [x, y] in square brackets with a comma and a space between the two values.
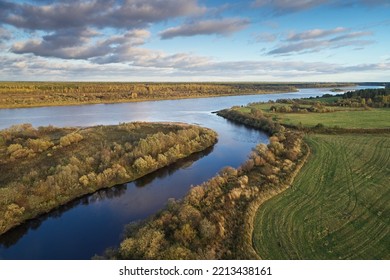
[195, 40]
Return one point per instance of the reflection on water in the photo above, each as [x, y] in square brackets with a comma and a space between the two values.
[169, 170]
[12, 237]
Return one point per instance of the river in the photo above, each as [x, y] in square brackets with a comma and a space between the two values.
[95, 222]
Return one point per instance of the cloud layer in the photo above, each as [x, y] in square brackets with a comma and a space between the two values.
[124, 14]
[280, 7]
[321, 39]
[206, 27]
[65, 44]
[85, 38]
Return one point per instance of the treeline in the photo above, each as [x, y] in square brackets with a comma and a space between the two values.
[295, 107]
[42, 168]
[320, 85]
[27, 94]
[377, 98]
[212, 220]
[363, 98]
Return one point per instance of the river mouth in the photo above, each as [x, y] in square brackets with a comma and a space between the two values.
[89, 225]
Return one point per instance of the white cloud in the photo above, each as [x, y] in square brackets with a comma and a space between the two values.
[265, 37]
[125, 14]
[80, 46]
[315, 33]
[313, 41]
[206, 27]
[287, 6]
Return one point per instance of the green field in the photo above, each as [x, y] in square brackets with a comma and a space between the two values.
[376, 118]
[338, 206]
[347, 118]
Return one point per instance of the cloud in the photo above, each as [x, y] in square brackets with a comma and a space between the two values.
[153, 66]
[118, 49]
[352, 35]
[78, 44]
[315, 33]
[5, 34]
[206, 27]
[369, 3]
[125, 14]
[308, 41]
[279, 7]
[146, 58]
[82, 30]
[265, 37]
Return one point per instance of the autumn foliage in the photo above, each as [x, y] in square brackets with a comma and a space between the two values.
[42, 168]
[209, 222]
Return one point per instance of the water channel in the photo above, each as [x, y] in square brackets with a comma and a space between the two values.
[93, 223]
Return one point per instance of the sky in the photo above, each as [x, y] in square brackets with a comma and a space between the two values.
[195, 40]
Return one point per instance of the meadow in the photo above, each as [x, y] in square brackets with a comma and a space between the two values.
[340, 118]
[337, 207]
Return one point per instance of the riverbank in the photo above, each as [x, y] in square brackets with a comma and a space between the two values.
[207, 223]
[57, 165]
[338, 199]
[41, 94]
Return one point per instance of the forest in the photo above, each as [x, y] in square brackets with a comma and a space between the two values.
[42, 168]
[33, 94]
[364, 98]
[376, 98]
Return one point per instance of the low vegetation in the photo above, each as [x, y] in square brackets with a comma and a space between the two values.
[42, 168]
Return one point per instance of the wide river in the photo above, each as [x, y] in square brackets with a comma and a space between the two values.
[93, 223]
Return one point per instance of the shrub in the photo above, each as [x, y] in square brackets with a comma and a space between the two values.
[70, 139]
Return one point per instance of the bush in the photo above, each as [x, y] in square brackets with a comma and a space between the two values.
[70, 139]
[39, 145]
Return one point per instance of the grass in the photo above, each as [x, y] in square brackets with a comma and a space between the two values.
[347, 118]
[338, 206]
[376, 118]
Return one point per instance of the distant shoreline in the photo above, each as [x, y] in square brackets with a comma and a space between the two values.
[44, 94]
